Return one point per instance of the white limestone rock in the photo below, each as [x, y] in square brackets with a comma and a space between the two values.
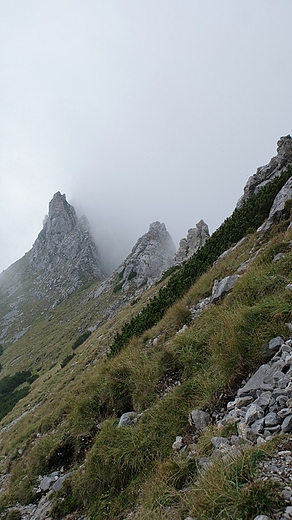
[64, 256]
[150, 257]
[196, 238]
[278, 207]
[223, 286]
[274, 168]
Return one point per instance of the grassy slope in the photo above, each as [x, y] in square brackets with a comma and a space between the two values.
[133, 468]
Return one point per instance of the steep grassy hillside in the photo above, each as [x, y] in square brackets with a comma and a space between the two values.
[69, 417]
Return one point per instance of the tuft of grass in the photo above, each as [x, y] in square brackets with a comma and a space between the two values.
[230, 490]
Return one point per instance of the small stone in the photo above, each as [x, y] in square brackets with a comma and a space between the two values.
[261, 440]
[264, 399]
[199, 419]
[236, 441]
[222, 287]
[288, 512]
[262, 517]
[46, 483]
[178, 444]
[253, 413]
[271, 419]
[286, 493]
[203, 461]
[274, 429]
[287, 424]
[127, 419]
[243, 401]
[281, 401]
[251, 435]
[284, 412]
[219, 441]
[272, 347]
[258, 426]
[255, 382]
[57, 486]
[279, 391]
[284, 453]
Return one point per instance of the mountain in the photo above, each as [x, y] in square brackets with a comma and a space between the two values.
[159, 391]
[150, 257]
[63, 258]
[274, 168]
[196, 238]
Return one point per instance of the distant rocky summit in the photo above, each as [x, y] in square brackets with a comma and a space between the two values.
[196, 238]
[265, 174]
[150, 257]
[64, 256]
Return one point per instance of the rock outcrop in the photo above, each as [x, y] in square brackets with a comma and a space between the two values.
[196, 238]
[279, 208]
[64, 256]
[150, 257]
[265, 174]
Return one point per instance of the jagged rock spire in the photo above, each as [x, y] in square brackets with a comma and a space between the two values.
[196, 238]
[150, 257]
[64, 255]
[274, 168]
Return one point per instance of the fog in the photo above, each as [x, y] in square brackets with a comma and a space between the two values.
[138, 111]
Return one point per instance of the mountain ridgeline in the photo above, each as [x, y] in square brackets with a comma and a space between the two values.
[114, 386]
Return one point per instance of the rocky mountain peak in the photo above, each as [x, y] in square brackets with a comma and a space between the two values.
[196, 238]
[64, 255]
[274, 168]
[150, 257]
[62, 218]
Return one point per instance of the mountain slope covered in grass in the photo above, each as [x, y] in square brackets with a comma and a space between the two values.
[158, 358]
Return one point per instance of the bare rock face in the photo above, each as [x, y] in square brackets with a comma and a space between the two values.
[196, 238]
[64, 256]
[265, 174]
[150, 257]
[279, 205]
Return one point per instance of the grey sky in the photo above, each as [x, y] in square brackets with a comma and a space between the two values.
[138, 110]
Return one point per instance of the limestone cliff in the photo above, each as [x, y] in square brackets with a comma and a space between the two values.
[274, 168]
[150, 257]
[64, 256]
[196, 238]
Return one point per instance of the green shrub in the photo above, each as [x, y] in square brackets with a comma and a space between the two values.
[83, 337]
[132, 275]
[13, 514]
[67, 360]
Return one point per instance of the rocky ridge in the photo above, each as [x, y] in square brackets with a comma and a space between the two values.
[64, 256]
[274, 168]
[196, 238]
[150, 257]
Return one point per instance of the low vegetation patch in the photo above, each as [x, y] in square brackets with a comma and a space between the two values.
[10, 394]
